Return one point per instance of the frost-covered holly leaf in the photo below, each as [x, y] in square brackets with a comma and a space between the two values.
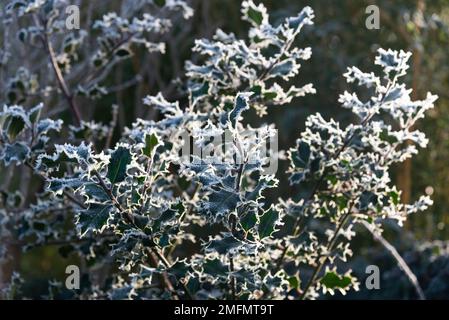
[208, 179]
[17, 152]
[163, 105]
[248, 220]
[95, 192]
[65, 153]
[160, 3]
[58, 185]
[223, 245]
[216, 268]
[305, 17]
[301, 155]
[273, 282]
[285, 69]
[94, 218]
[118, 163]
[168, 218]
[240, 105]
[220, 202]
[151, 143]
[393, 61]
[198, 91]
[35, 113]
[226, 243]
[301, 162]
[256, 15]
[332, 281]
[13, 120]
[268, 222]
[46, 125]
[367, 198]
[15, 126]
[121, 293]
[264, 183]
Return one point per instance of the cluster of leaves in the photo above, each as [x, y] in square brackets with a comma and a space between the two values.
[139, 209]
[348, 169]
[82, 57]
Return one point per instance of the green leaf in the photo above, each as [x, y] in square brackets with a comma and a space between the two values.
[283, 68]
[222, 202]
[96, 192]
[304, 17]
[294, 282]
[151, 143]
[160, 3]
[268, 222]
[199, 91]
[120, 159]
[17, 152]
[384, 136]
[264, 183]
[15, 127]
[367, 198]
[35, 113]
[270, 95]
[394, 197]
[332, 280]
[240, 105]
[301, 156]
[248, 220]
[342, 202]
[255, 15]
[227, 244]
[164, 240]
[215, 268]
[257, 90]
[59, 185]
[94, 218]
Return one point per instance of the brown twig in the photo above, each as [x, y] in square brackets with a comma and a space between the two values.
[329, 249]
[59, 76]
[164, 261]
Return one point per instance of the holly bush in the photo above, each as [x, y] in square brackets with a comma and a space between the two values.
[176, 206]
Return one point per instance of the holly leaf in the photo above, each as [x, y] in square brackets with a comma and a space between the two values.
[17, 152]
[15, 127]
[120, 159]
[94, 218]
[240, 105]
[160, 3]
[248, 220]
[58, 185]
[226, 243]
[256, 15]
[332, 281]
[268, 222]
[96, 192]
[151, 144]
[221, 202]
